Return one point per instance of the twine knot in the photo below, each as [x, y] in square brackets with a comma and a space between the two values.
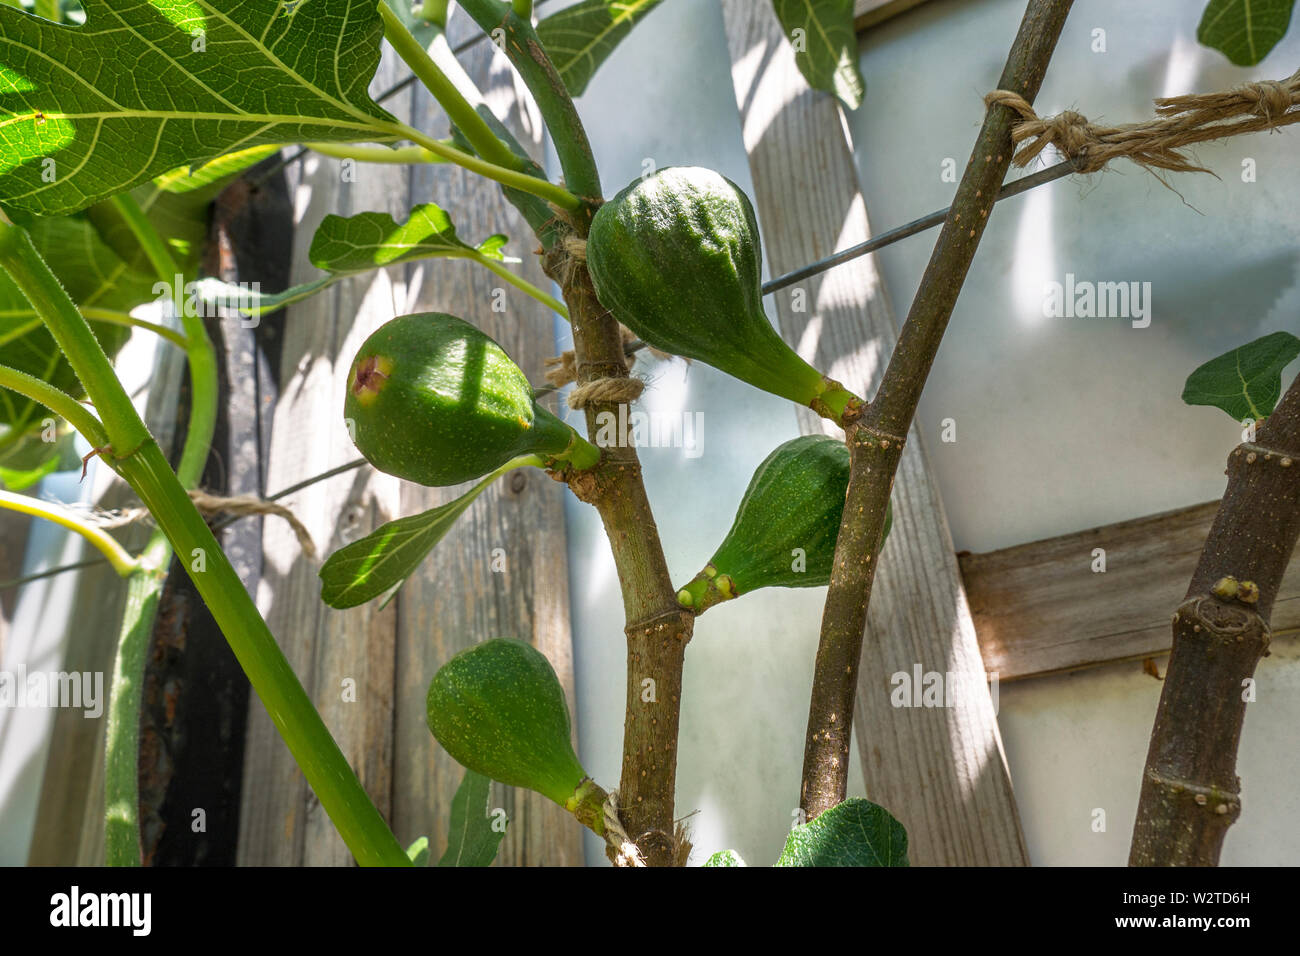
[625, 849]
[1154, 144]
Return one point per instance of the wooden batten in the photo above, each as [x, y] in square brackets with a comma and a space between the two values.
[1047, 606]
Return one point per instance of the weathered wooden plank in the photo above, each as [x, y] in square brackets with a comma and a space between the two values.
[502, 571]
[281, 822]
[941, 770]
[1041, 607]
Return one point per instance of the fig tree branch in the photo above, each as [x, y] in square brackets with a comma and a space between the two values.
[1190, 789]
[876, 440]
[657, 627]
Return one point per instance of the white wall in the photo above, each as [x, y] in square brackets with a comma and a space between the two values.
[1062, 423]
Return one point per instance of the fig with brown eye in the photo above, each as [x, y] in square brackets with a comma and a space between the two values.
[432, 399]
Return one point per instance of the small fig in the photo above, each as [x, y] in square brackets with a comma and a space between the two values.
[676, 256]
[785, 530]
[432, 399]
[499, 710]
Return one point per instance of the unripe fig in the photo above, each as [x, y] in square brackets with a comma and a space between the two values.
[432, 399]
[676, 257]
[499, 710]
[785, 530]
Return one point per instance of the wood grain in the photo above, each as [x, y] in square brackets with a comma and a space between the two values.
[940, 770]
[1041, 608]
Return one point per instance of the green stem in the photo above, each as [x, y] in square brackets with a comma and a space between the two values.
[122, 742]
[57, 401]
[458, 109]
[522, 9]
[104, 542]
[434, 11]
[127, 319]
[94, 315]
[507, 177]
[138, 459]
[524, 48]
[205, 390]
[122, 734]
[535, 210]
[403, 155]
[522, 284]
[34, 279]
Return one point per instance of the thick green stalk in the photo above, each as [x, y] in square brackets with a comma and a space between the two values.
[533, 208]
[136, 457]
[122, 735]
[522, 284]
[402, 155]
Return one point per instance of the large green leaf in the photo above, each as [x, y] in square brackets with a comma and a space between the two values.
[1244, 30]
[854, 833]
[1246, 382]
[825, 45]
[349, 246]
[146, 86]
[383, 560]
[472, 840]
[580, 38]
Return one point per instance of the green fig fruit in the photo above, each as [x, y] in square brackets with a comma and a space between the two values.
[786, 527]
[499, 710]
[432, 399]
[676, 257]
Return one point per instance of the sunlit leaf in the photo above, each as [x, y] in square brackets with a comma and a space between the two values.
[1244, 30]
[352, 245]
[472, 840]
[581, 37]
[381, 562]
[825, 45]
[146, 86]
[853, 833]
[1246, 382]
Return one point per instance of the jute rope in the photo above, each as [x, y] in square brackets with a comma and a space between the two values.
[562, 369]
[1155, 144]
[214, 504]
[626, 852]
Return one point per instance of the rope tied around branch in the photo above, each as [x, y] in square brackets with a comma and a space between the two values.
[1154, 144]
[562, 369]
[626, 852]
